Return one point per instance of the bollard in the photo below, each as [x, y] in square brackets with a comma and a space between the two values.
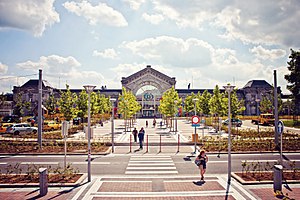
[147, 144]
[277, 178]
[178, 144]
[159, 143]
[130, 143]
[43, 181]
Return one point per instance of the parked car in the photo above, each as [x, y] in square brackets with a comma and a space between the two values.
[51, 126]
[234, 122]
[3, 127]
[11, 119]
[16, 129]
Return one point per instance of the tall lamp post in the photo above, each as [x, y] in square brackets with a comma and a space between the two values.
[89, 89]
[229, 88]
[175, 102]
[195, 135]
[112, 126]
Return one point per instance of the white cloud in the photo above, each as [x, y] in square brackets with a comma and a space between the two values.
[107, 53]
[134, 4]
[267, 54]
[100, 13]
[3, 68]
[52, 64]
[249, 22]
[153, 19]
[29, 15]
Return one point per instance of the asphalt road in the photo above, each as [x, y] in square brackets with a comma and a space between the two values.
[141, 164]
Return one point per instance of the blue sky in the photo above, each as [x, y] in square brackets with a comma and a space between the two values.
[97, 42]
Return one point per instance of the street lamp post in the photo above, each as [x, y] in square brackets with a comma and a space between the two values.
[112, 126]
[89, 89]
[175, 102]
[229, 88]
[195, 135]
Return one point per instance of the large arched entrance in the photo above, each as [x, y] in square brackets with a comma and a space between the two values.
[148, 85]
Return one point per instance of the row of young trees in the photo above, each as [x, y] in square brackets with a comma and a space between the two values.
[206, 103]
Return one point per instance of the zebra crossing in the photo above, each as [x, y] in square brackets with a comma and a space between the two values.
[151, 165]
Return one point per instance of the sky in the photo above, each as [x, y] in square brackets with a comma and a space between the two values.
[205, 43]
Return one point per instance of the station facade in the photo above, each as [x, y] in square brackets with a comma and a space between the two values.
[148, 85]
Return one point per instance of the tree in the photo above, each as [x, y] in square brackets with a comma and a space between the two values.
[51, 104]
[82, 104]
[2, 99]
[127, 105]
[266, 105]
[293, 79]
[104, 105]
[237, 106]
[67, 104]
[189, 104]
[20, 105]
[216, 103]
[204, 102]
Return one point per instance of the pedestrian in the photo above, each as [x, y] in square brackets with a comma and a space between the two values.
[201, 161]
[134, 133]
[141, 137]
[146, 123]
[154, 122]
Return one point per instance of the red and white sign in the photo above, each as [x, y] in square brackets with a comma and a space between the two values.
[195, 119]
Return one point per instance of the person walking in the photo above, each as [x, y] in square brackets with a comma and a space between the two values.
[134, 133]
[202, 159]
[154, 122]
[141, 137]
[146, 123]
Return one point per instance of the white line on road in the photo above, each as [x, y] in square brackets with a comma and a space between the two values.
[39, 163]
[151, 168]
[151, 172]
[150, 156]
[3, 163]
[93, 163]
[152, 164]
[151, 161]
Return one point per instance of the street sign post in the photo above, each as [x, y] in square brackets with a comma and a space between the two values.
[195, 123]
[280, 127]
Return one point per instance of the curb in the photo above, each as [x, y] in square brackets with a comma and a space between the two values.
[22, 185]
[243, 182]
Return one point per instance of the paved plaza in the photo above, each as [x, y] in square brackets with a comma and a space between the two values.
[152, 173]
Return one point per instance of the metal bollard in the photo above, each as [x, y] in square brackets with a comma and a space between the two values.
[147, 144]
[43, 181]
[159, 143]
[178, 143]
[277, 178]
[130, 143]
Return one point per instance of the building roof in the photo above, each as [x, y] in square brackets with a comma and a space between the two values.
[35, 82]
[257, 84]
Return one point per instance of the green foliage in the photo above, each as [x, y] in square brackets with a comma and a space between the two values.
[20, 105]
[188, 103]
[169, 103]
[128, 105]
[266, 105]
[237, 106]
[67, 104]
[82, 104]
[204, 102]
[51, 104]
[217, 104]
[103, 103]
[293, 79]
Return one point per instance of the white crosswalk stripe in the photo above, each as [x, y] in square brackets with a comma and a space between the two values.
[151, 165]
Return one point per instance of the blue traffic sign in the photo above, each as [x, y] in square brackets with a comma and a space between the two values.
[280, 127]
[195, 125]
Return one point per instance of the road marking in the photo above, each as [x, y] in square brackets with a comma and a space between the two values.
[150, 161]
[151, 172]
[150, 156]
[39, 163]
[3, 163]
[152, 164]
[93, 163]
[151, 168]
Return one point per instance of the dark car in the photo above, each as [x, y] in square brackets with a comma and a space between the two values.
[11, 119]
[234, 122]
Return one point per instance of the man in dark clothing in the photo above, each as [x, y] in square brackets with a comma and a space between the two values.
[135, 132]
[141, 137]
